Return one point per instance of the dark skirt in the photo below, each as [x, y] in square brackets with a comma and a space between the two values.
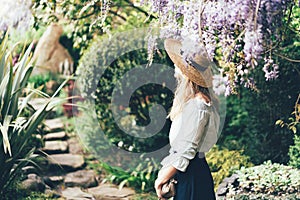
[196, 183]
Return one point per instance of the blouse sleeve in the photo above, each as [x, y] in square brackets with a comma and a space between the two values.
[186, 144]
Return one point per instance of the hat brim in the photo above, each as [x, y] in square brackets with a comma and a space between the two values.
[202, 78]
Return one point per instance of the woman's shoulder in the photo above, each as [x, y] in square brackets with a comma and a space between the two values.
[198, 103]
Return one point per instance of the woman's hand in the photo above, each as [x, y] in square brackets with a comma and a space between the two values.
[158, 185]
[164, 175]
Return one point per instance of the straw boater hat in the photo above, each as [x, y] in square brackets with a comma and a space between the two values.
[197, 68]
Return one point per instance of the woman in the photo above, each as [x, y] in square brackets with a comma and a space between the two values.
[194, 130]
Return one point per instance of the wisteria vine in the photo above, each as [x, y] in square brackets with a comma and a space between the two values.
[240, 34]
[15, 14]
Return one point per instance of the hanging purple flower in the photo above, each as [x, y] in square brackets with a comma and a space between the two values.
[241, 31]
[271, 69]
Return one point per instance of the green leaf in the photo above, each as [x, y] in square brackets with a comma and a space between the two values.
[5, 134]
[8, 79]
[122, 184]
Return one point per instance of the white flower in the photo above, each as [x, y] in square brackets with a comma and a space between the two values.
[120, 144]
[130, 148]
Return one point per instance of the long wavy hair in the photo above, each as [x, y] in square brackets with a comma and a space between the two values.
[186, 90]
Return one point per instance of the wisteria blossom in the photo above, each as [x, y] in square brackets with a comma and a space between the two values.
[15, 14]
[243, 30]
[271, 69]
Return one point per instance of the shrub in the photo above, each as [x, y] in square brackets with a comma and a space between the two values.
[267, 180]
[102, 67]
[294, 153]
[251, 116]
[262, 197]
[17, 130]
[224, 162]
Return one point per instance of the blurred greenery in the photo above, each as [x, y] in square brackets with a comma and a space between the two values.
[47, 82]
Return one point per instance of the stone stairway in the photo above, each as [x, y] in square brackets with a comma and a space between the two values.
[65, 174]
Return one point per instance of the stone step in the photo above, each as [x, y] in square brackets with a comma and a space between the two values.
[75, 146]
[53, 181]
[58, 146]
[81, 178]
[53, 125]
[56, 179]
[55, 136]
[75, 193]
[68, 162]
[111, 192]
[33, 183]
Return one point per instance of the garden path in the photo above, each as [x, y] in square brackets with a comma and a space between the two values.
[65, 172]
[68, 172]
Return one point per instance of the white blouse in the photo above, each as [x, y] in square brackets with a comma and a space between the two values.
[194, 130]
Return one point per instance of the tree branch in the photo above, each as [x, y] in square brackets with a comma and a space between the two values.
[140, 9]
[84, 16]
[118, 15]
[286, 58]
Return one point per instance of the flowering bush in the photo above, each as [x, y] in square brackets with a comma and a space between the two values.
[269, 179]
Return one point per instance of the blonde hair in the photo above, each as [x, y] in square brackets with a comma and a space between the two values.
[186, 90]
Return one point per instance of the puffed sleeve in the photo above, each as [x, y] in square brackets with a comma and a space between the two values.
[192, 125]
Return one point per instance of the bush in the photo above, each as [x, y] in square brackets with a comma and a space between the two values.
[87, 128]
[267, 180]
[251, 116]
[102, 67]
[224, 163]
[101, 134]
[262, 197]
[17, 141]
[294, 153]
